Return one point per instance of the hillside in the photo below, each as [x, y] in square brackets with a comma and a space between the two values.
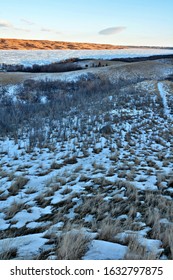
[115, 71]
[19, 44]
[86, 162]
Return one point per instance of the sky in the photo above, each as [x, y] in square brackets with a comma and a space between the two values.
[117, 22]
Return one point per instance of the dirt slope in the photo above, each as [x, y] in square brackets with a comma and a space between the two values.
[18, 44]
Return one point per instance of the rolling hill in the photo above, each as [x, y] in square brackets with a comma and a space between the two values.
[20, 44]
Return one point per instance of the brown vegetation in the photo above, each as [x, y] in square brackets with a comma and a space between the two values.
[19, 44]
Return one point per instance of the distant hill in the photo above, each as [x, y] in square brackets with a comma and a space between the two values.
[20, 44]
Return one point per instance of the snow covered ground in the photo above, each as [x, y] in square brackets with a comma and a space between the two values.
[163, 94]
[92, 193]
[28, 58]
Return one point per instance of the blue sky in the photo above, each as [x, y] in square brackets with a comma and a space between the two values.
[119, 22]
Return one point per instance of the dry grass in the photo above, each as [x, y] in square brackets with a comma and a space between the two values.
[70, 160]
[8, 253]
[169, 233]
[78, 168]
[98, 166]
[107, 207]
[137, 251]
[19, 44]
[72, 245]
[18, 185]
[41, 200]
[108, 229]
[67, 190]
[83, 178]
[14, 208]
[30, 190]
[55, 165]
[114, 156]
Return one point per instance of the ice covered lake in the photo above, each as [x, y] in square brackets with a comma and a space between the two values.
[49, 56]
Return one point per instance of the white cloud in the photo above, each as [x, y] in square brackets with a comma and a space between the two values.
[21, 29]
[50, 30]
[112, 30]
[47, 30]
[9, 25]
[5, 24]
[27, 21]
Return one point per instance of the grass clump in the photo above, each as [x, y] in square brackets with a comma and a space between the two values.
[14, 208]
[72, 245]
[8, 254]
[18, 185]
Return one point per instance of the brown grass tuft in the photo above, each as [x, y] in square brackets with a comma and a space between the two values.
[72, 245]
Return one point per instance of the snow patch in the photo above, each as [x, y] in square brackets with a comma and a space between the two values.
[103, 250]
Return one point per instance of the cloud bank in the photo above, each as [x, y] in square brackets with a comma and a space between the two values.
[112, 30]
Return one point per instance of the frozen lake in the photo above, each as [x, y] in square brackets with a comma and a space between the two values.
[47, 56]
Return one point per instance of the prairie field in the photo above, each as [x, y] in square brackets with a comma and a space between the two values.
[86, 162]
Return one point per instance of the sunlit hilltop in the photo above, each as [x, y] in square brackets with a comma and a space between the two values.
[19, 44]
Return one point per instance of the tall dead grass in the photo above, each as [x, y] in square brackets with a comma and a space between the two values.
[72, 245]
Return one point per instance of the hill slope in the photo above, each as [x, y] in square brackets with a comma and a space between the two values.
[86, 159]
[19, 44]
[115, 71]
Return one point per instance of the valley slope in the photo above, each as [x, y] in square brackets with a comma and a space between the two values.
[86, 162]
